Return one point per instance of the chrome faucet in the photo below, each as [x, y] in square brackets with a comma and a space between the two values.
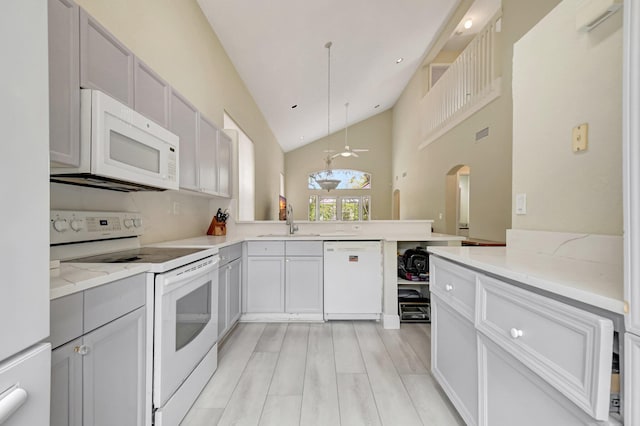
[292, 227]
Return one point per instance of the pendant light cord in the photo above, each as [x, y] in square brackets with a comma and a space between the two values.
[328, 46]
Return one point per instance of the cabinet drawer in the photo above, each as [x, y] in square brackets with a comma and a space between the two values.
[265, 248]
[66, 319]
[303, 248]
[455, 285]
[108, 302]
[229, 253]
[567, 347]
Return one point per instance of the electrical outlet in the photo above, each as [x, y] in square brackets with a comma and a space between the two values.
[580, 137]
[176, 208]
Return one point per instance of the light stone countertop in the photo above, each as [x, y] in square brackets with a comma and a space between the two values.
[71, 278]
[594, 283]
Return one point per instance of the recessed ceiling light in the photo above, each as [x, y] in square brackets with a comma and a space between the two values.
[294, 106]
[399, 60]
[468, 23]
[377, 106]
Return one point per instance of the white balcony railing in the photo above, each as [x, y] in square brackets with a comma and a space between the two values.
[470, 83]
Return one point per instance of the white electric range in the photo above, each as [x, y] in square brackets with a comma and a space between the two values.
[185, 299]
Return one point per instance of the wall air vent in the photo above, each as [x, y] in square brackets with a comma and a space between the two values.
[482, 134]
[593, 12]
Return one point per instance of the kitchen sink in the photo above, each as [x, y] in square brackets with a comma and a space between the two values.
[298, 235]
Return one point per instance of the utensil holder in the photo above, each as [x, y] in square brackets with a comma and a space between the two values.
[217, 228]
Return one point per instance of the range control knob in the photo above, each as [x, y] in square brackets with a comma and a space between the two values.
[60, 225]
[128, 223]
[76, 224]
[137, 222]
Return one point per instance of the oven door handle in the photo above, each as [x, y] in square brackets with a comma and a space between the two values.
[191, 275]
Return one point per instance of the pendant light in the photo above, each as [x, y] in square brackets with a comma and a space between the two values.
[325, 178]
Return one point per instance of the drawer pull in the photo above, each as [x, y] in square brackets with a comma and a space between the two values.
[448, 287]
[515, 333]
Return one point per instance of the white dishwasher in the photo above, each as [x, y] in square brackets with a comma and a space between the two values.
[352, 280]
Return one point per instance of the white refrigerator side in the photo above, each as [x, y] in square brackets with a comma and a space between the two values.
[24, 173]
[631, 196]
[24, 387]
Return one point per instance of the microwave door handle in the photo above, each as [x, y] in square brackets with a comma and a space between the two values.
[191, 274]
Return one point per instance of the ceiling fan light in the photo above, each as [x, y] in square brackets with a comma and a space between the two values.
[345, 154]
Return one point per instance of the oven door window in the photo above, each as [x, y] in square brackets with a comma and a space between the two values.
[193, 313]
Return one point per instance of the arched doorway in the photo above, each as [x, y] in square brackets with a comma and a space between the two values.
[457, 192]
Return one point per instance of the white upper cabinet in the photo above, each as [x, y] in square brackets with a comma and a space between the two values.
[207, 156]
[64, 82]
[151, 94]
[105, 63]
[183, 121]
[225, 153]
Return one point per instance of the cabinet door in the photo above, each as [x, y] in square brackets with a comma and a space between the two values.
[631, 379]
[454, 359]
[114, 372]
[105, 63]
[64, 82]
[66, 385]
[151, 94]
[303, 287]
[513, 395]
[225, 150]
[223, 284]
[183, 121]
[265, 284]
[207, 141]
[235, 284]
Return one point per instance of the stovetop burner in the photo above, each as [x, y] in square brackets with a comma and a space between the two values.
[141, 255]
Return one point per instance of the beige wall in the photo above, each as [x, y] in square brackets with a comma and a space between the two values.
[421, 175]
[563, 78]
[175, 39]
[373, 133]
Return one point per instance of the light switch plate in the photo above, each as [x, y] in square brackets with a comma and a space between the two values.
[521, 203]
[580, 137]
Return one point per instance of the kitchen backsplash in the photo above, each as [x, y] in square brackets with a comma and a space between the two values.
[168, 215]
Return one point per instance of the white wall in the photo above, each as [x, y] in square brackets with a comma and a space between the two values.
[374, 134]
[421, 175]
[562, 78]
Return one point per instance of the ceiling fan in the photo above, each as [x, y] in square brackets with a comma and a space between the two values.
[348, 151]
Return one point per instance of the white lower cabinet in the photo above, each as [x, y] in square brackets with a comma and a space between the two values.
[632, 379]
[229, 287]
[100, 357]
[454, 361]
[511, 394]
[284, 278]
[508, 356]
[303, 284]
[265, 284]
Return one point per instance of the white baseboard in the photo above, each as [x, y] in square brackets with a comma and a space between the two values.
[281, 317]
[391, 322]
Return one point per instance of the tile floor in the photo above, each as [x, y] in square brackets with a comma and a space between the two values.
[336, 373]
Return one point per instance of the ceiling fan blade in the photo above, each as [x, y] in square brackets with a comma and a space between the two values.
[353, 154]
[335, 155]
[360, 150]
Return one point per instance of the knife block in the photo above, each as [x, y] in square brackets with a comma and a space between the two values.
[217, 228]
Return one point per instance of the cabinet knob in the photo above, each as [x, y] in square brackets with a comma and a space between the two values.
[448, 287]
[81, 350]
[515, 333]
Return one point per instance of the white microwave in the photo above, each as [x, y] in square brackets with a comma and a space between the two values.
[120, 149]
